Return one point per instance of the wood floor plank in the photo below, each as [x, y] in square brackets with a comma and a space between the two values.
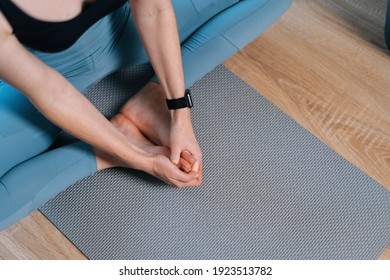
[334, 92]
[35, 238]
[386, 254]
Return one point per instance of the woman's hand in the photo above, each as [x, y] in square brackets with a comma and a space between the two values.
[169, 173]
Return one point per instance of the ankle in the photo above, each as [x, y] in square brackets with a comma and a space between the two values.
[105, 161]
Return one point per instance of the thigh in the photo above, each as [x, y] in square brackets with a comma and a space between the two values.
[192, 14]
[226, 33]
[127, 49]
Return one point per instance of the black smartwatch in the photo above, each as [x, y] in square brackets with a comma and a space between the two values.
[183, 102]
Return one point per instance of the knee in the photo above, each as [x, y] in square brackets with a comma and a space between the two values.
[23, 144]
[247, 19]
[239, 23]
[10, 209]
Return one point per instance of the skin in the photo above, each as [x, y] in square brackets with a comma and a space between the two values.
[149, 131]
[126, 140]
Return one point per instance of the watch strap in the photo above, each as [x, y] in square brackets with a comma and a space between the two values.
[183, 102]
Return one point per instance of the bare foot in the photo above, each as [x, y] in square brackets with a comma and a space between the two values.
[130, 130]
[148, 111]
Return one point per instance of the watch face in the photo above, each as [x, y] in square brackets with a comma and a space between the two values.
[189, 99]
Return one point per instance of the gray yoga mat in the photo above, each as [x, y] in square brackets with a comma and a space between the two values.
[271, 190]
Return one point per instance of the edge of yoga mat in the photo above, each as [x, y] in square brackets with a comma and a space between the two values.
[294, 215]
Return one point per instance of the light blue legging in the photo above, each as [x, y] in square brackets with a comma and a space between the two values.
[210, 32]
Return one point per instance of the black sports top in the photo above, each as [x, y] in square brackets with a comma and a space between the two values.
[50, 36]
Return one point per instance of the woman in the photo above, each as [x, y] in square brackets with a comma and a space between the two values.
[51, 51]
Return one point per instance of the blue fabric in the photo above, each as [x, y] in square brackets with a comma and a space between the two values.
[210, 32]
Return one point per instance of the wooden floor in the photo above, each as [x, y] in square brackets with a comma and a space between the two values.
[325, 64]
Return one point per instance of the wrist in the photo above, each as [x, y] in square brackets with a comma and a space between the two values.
[136, 158]
[177, 104]
[180, 115]
[147, 163]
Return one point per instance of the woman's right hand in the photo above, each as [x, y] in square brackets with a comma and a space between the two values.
[169, 173]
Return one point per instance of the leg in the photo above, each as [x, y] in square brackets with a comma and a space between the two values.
[33, 182]
[132, 132]
[29, 176]
[128, 48]
[24, 131]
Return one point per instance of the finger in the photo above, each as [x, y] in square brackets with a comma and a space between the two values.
[184, 165]
[188, 157]
[180, 184]
[198, 181]
[183, 177]
[195, 166]
[200, 172]
[175, 155]
[195, 182]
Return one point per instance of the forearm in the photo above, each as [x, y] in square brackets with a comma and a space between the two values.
[156, 24]
[61, 103]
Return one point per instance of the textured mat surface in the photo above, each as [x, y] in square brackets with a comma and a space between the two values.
[271, 189]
